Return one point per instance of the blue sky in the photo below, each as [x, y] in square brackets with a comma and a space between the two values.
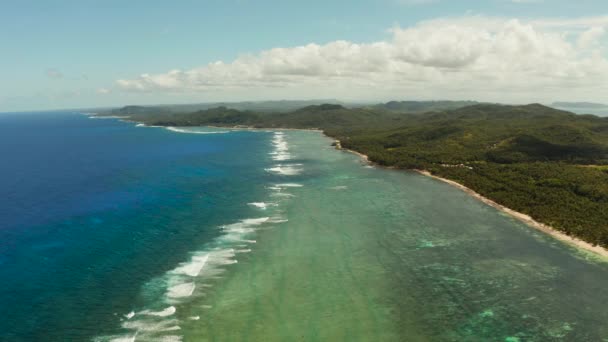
[68, 54]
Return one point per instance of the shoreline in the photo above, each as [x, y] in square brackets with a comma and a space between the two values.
[232, 128]
[338, 146]
[601, 251]
[526, 219]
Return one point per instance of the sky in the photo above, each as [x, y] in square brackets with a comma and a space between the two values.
[85, 54]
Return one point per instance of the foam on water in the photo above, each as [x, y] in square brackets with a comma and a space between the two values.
[194, 267]
[181, 290]
[246, 226]
[285, 169]
[262, 205]
[289, 185]
[278, 189]
[280, 147]
[163, 313]
[283, 195]
[190, 279]
[281, 153]
[278, 220]
[255, 221]
[142, 326]
[123, 339]
[194, 131]
[280, 156]
[108, 117]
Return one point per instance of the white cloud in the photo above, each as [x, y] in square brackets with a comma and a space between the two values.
[103, 91]
[474, 57]
[591, 37]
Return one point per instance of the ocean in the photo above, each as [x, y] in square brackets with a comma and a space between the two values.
[597, 111]
[111, 231]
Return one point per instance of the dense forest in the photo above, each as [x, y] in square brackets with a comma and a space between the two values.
[547, 163]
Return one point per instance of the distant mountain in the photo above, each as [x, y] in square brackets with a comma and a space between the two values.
[588, 105]
[132, 110]
[423, 106]
[598, 109]
[257, 106]
[288, 106]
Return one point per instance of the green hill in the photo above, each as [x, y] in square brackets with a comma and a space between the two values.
[422, 106]
[547, 163]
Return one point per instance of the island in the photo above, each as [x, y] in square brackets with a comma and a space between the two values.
[548, 166]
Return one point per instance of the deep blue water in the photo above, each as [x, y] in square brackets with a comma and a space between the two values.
[112, 232]
[92, 209]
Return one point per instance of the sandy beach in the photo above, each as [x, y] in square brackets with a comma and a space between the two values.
[515, 214]
[524, 218]
[601, 251]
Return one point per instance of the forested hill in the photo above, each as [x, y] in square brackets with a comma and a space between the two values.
[260, 106]
[548, 163]
[422, 106]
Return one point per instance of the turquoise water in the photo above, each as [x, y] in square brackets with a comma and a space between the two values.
[148, 234]
[92, 210]
[371, 254]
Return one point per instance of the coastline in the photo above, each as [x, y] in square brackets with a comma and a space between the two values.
[601, 251]
[354, 258]
[338, 146]
[526, 219]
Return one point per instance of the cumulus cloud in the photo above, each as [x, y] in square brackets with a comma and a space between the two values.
[591, 36]
[467, 56]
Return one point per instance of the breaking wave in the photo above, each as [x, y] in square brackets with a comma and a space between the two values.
[159, 320]
[195, 130]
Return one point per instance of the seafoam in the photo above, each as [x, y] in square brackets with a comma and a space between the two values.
[191, 279]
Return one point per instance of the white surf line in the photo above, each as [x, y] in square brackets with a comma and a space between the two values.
[181, 284]
[147, 126]
[285, 170]
[194, 267]
[191, 131]
[189, 279]
[281, 154]
[181, 290]
[123, 338]
[263, 205]
[107, 117]
[281, 148]
[289, 185]
[163, 313]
